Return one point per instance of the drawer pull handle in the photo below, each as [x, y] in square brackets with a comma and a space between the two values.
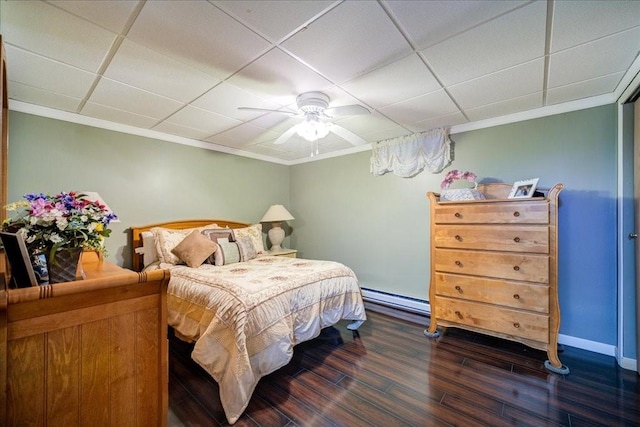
[458, 263]
[457, 215]
[516, 325]
[459, 315]
[458, 288]
[516, 268]
[516, 214]
[516, 296]
[517, 240]
[458, 238]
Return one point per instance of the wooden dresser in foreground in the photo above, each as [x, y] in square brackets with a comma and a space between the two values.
[87, 353]
[494, 268]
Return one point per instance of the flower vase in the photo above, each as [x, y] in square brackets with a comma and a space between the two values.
[64, 266]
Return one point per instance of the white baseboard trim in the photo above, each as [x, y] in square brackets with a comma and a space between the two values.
[396, 301]
[422, 307]
[630, 364]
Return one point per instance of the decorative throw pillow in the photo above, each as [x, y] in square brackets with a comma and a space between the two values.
[227, 253]
[246, 248]
[166, 239]
[195, 249]
[218, 235]
[149, 253]
[255, 232]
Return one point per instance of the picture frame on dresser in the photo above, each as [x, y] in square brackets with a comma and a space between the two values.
[524, 189]
[22, 273]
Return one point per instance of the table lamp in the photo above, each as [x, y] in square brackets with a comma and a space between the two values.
[275, 215]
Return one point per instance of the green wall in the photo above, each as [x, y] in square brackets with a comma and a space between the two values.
[379, 225]
[143, 180]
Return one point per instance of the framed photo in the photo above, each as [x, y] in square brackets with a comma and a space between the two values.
[22, 274]
[523, 189]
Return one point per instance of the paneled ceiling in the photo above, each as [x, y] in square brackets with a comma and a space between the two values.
[181, 69]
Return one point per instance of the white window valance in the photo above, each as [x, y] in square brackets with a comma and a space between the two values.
[409, 155]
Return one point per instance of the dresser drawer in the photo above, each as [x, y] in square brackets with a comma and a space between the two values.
[534, 212]
[496, 319]
[523, 267]
[528, 238]
[524, 296]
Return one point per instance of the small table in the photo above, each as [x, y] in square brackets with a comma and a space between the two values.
[290, 253]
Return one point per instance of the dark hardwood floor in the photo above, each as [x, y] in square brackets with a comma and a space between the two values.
[392, 375]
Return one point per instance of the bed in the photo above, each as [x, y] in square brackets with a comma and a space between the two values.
[243, 309]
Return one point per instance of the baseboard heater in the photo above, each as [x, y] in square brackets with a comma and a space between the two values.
[399, 302]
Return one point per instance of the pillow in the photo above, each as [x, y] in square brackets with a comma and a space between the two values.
[218, 235]
[255, 232]
[166, 239]
[195, 249]
[148, 248]
[227, 253]
[246, 248]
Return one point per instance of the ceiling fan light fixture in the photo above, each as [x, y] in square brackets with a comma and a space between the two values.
[312, 129]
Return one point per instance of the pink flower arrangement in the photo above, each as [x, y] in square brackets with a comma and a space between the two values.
[454, 175]
[66, 220]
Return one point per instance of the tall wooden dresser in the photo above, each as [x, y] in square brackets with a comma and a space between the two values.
[86, 353]
[494, 268]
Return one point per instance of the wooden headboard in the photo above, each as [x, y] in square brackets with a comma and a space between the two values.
[136, 239]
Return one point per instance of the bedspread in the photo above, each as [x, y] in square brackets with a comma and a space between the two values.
[245, 318]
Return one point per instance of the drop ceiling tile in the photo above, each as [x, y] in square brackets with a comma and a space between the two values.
[276, 122]
[279, 78]
[511, 39]
[112, 15]
[510, 106]
[44, 29]
[243, 136]
[584, 89]
[274, 19]
[34, 70]
[128, 98]
[591, 20]
[505, 84]
[197, 118]
[146, 69]
[395, 132]
[367, 124]
[614, 54]
[225, 99]
[183, 131]
[37, 96]
[430, 22]
[446, 120]
[91, 109]
[400, 80]
[198, 34]
[434, 104]
[349, 40]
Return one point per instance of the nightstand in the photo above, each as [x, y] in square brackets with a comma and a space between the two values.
[290, 253]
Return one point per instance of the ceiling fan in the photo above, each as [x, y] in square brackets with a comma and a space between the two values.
[314, 108]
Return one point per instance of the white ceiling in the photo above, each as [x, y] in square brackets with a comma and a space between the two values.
[181, 69]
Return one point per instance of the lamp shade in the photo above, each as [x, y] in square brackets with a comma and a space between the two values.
[277, 213]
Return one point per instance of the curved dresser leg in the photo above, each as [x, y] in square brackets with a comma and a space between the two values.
[432, 332]
[562, 370]
[554, 364]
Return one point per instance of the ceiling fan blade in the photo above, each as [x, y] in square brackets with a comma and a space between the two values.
[347, 135]
[285, 136]
[346, 110]
[266, 110]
